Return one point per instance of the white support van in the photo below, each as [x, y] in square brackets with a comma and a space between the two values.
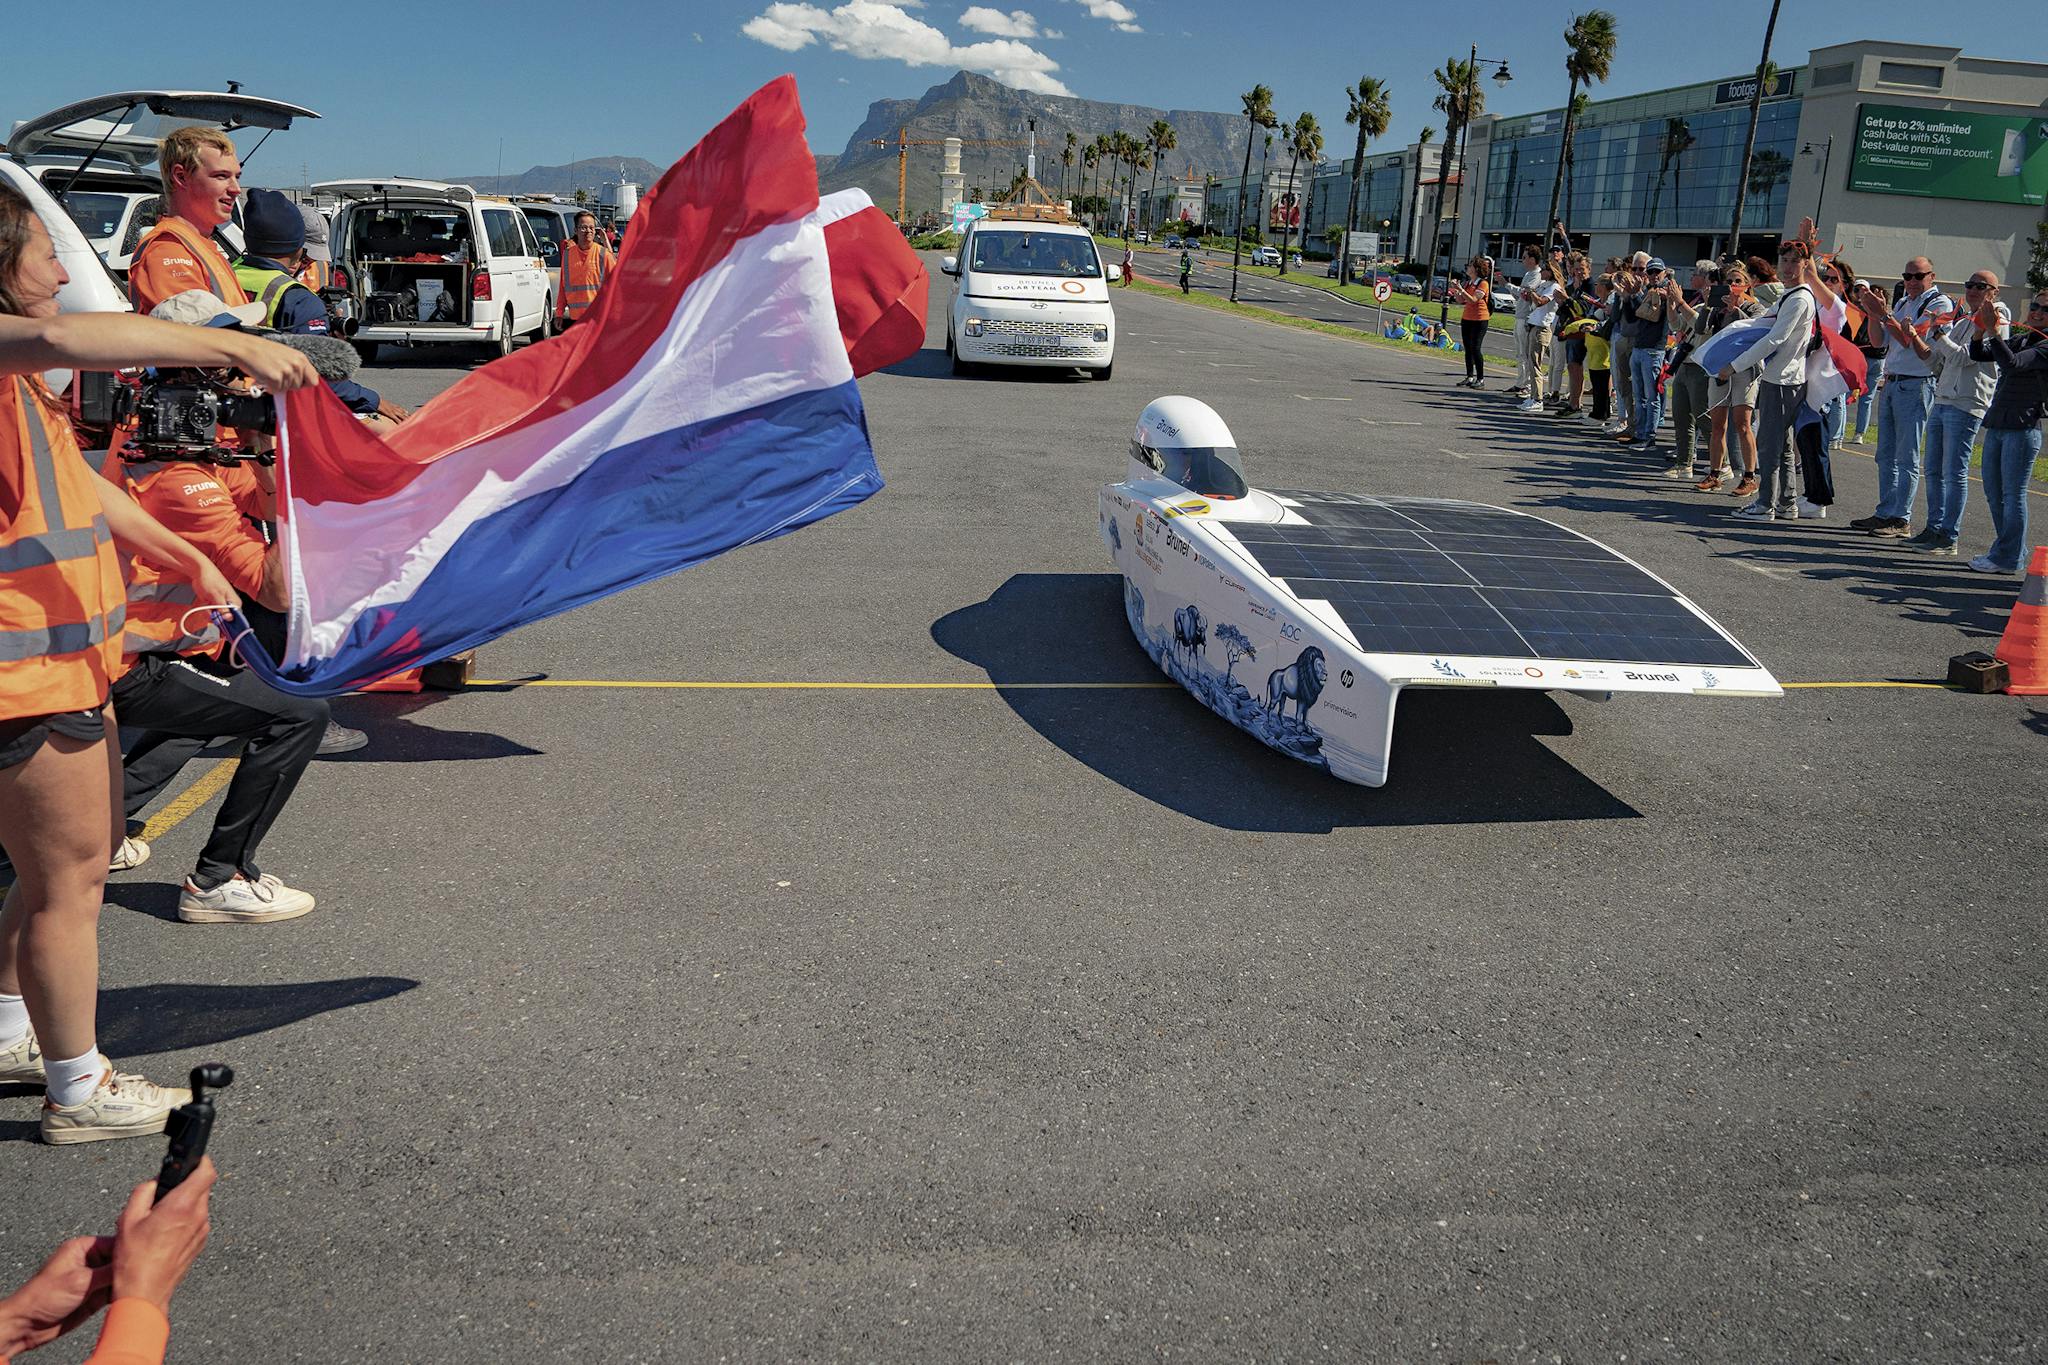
[1030, 292]
[424, 263]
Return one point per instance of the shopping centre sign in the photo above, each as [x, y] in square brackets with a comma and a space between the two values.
[1949, 154]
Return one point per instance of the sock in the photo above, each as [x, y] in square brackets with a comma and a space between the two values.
[13, 1020]
[73, 1082]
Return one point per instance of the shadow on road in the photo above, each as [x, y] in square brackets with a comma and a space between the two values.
[396, 738]
[1459, 757]
[141, 1021]
[933, 363]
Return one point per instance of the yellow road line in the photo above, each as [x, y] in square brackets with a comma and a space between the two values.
[192, 798]
[509, 684]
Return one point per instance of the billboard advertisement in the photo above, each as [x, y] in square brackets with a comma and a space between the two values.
[1950, 154]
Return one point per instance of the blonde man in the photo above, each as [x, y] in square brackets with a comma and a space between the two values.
[202, 179]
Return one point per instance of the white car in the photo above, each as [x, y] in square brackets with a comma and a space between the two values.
[1030, 293]
[427, 263]
[98, 156]
[1265, 255]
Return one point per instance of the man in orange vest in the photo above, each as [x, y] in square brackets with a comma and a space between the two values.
[202, 179]
[586, 264]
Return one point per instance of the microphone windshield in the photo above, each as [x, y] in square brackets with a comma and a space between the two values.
[335, 360]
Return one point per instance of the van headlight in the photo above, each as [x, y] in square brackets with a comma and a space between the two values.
[973, 326]
[1102, 335]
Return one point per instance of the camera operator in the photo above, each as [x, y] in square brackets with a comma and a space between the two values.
[202, 178]
[61, 623]
[177, 687]
[275, 237]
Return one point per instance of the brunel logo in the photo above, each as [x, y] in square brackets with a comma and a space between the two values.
[1650, 677]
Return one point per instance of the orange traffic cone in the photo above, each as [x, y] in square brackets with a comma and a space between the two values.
[2024, 648]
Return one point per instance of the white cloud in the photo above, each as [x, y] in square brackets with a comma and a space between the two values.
[1118, 13]
[1016, 24]
[875, 30]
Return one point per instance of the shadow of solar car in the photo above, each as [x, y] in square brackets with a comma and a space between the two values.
[1334, 603]
[98, 156]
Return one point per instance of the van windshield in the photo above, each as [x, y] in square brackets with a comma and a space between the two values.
[1034, 253]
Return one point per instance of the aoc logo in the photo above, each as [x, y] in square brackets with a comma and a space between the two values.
[1649, 677]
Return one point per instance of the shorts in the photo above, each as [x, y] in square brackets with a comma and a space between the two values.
[24, 736]
[1739, 392]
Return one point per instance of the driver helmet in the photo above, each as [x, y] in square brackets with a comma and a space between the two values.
[1181, 438]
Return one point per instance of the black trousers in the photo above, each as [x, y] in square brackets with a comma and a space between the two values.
[1473, 334]
[182, 705]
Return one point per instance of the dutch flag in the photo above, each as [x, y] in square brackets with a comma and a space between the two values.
[706, 402]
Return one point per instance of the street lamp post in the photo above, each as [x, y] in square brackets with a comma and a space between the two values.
[1500, 78]
[1827, 155]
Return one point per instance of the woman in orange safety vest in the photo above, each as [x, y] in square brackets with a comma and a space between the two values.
[60, 650]
[586, 264]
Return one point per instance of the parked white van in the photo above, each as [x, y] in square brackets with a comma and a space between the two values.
[1030, 293]
[425, 263]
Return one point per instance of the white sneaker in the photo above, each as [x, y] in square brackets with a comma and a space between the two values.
[1789, 512]
[122, 1106]
[21, 1062]
[1812, 511]
[1983, 564]
[1529, 405]
[241, 901]
[131, 853]
[1753, 511]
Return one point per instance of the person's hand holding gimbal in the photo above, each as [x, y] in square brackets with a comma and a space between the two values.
[147, 1256]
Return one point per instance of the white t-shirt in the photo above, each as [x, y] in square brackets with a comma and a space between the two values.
[1522, 305]
[1541, 314]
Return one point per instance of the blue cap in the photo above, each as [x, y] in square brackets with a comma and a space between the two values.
[271, 224]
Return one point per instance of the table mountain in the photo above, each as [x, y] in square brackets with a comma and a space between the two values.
[970, 106]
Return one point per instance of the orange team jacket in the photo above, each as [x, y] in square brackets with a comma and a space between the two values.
[175, 256]
[207, 505]
[135, 1333]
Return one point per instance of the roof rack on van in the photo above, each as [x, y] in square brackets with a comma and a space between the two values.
[1021, 206]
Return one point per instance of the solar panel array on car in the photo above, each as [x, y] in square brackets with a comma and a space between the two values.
[1429, 576]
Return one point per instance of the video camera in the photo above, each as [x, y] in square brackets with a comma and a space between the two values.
[174, 415]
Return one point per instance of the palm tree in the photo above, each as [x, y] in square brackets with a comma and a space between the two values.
[1305, 140]
[1258, 113]
[1089, 159]
[1580, 104]
[1067, 162]
[1764, 67]
[1161, 138]
[1589, 44]
[1370, 110]
[1134, 154]
[1260, 219]
[1459, 99]
[1676, 142]
[1422, 141]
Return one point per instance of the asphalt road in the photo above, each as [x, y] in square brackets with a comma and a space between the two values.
[1072, 1024]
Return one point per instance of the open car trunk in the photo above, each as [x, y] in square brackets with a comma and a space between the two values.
[409, 262]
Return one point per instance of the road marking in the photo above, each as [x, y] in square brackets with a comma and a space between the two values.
[1758, 568]
[190, 799]
[1912, 686]
[1320, 398]
[1229, 364]
[1452, 453]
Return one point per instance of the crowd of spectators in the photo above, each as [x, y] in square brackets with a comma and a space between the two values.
[1617, 348]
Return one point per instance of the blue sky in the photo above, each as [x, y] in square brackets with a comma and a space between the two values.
[434, 88]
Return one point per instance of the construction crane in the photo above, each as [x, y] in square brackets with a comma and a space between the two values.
[904, 142]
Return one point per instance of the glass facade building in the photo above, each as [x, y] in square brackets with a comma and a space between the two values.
[1644, 168]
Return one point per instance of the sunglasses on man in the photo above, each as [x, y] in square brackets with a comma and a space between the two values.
[1914, 274]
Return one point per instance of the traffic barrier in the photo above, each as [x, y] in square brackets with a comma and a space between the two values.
[2024, 647]
[451, 674]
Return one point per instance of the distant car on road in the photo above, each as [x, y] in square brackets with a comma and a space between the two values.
[1501, 300]
[1407, 284]
[1265, 255]
[1173, 241]
[1145, 237]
